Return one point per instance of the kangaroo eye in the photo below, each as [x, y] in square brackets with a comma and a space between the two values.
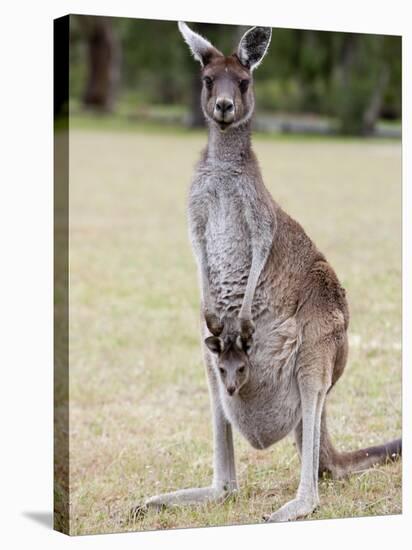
[222, 371]
[208, 82]
[241, 369]
[244, 85]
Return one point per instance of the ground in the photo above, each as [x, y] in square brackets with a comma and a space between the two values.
[139, 410]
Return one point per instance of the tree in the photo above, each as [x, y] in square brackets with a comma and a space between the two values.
[352, 78]
[103, 62]
[360, 81]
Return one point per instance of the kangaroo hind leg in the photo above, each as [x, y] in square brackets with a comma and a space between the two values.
[313, 389]
[224, 479]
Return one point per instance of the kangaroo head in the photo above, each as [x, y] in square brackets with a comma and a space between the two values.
[232, 361]
[227, 93]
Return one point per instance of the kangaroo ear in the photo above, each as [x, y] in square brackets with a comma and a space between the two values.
[243, 343]
[215, 344]
[201, 48]
[253, 46]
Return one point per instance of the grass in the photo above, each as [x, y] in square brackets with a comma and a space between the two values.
[139, 409]
[166, 120]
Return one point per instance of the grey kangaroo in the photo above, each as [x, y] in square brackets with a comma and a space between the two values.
[274, 315]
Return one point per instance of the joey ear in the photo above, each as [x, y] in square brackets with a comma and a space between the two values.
[253, 46]
[201, 48]
[243, 344]
[214, 343]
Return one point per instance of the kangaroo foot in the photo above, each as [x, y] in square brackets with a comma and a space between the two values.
[198, 495]
[292, 510]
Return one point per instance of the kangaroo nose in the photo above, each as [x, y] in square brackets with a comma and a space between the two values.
[231, 390]
[224, 105]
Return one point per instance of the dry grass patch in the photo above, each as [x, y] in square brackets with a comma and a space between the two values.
[139, 413]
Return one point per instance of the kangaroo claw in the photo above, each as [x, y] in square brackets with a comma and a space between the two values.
[247, 328]
[214, 324]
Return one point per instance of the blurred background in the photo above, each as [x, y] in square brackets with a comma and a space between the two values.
[311, 81]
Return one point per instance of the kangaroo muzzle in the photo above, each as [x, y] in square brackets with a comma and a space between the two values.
[224, 111]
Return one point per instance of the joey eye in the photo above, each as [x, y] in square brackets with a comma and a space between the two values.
[243, 85]
[241, 369]
[208, 82]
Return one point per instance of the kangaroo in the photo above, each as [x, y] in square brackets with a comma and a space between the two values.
[274, 317]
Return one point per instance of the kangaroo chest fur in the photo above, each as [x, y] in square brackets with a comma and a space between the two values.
[228, 246]
[267, 408]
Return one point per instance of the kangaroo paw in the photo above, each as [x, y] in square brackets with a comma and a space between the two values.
[247, 328]
[214, 324]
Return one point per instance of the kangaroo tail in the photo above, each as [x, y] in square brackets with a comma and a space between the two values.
[340, 464]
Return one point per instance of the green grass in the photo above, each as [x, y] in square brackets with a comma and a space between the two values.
[139, 409]
[164, 120]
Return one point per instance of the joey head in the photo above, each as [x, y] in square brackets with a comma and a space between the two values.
[232, 361]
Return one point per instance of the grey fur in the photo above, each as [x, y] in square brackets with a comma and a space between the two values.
[201, 48]
[271, 299]
[253, 46]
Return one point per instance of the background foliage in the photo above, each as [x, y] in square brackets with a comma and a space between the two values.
[142, 68]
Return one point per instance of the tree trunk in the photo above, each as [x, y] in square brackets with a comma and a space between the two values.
[347, 108]
[197, 118]
[350, 44]
[103, 63]
[372, 111]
